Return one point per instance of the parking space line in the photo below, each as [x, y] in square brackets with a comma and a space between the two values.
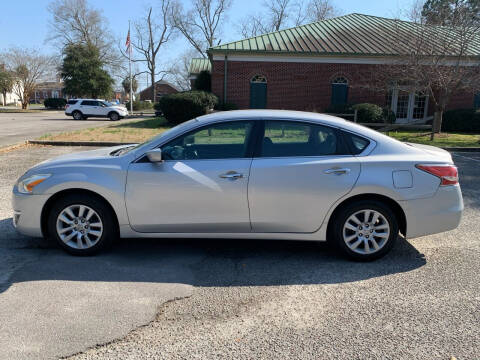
[466, 157]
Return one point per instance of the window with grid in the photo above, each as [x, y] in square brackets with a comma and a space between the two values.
[419, 105]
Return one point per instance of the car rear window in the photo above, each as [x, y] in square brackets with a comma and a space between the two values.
[71, 102]
[294, 139]
[356, 143]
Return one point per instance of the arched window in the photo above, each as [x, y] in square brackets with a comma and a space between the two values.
[258, 92]
[339, 90]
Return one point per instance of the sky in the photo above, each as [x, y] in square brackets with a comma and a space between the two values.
[27, 26]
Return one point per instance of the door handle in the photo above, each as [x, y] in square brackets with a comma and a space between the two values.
[337, 171]
[231, 175]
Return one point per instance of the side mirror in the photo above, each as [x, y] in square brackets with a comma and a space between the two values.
[154, 156]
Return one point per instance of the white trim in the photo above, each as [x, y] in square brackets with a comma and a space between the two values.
[325, 59]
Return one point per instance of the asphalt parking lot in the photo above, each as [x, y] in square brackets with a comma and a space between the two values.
[205, 299]
[17, 127]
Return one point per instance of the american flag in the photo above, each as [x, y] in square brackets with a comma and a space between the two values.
[127, 43]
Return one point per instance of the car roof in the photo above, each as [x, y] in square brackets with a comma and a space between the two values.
[268, 114]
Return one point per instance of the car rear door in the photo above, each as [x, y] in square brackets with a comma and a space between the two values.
[200, 187]
[299, 172]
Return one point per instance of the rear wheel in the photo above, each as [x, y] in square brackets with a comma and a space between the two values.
[365, 230]
[82, 224]
[77, 115]
[114, 116]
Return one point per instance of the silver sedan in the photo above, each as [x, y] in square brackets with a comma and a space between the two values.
[262, 174]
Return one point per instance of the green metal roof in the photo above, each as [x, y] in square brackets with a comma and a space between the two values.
[353, 34]
[199, 64]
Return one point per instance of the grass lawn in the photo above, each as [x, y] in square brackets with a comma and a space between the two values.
[129, 132]
[441, 140]
[142, 130]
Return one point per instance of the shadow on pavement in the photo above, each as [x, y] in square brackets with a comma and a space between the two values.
[219, 262]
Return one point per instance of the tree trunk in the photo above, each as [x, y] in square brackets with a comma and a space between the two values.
[154, 88]
[437, 123]
[4, 98]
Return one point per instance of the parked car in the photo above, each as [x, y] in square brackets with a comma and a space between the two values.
[245, 174]
[82, 109]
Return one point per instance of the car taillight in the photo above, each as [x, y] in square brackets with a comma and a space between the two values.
[448, 174]
[66, 106]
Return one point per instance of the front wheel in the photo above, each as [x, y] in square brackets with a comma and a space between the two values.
[365, 230]
[114, 116]
[82, 224]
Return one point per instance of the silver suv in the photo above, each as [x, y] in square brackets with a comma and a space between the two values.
[82, 109]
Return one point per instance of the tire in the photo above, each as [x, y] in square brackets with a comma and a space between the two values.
[356, 238]
[77, 115]
[114, 116]
[84, 117]
[99, 228]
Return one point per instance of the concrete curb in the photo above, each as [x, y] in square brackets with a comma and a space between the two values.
[464, 149]
[76, 143]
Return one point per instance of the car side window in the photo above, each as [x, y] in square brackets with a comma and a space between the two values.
[88, 103]
[217, 141]
[291, 138]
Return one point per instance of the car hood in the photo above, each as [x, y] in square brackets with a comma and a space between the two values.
[90, 155]
[119, 107]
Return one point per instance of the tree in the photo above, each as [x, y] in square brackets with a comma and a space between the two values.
[83, 73]
[27, 67]
[435, 60]
[281, 14]
[76, 22]
[151, 35]
[179, 73]
[203, 81]
[318, 10]
[6, 84]
[447, 12]
[202, 24]
[126, 85]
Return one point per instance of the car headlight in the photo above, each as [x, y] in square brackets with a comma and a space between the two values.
[26, 185]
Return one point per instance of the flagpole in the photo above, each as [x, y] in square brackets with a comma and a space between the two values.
[130, 69]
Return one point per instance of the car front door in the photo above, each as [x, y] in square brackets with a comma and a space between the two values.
[301, 170]
[201, 186]
[89, 108]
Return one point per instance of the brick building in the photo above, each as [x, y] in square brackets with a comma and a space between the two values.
[47, 89]
[313, 66]
[162, 87]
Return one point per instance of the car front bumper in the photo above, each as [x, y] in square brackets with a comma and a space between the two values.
[27, 211]
[437, 214]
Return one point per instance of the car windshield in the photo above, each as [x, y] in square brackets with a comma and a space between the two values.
[155, 138]
[106, 103]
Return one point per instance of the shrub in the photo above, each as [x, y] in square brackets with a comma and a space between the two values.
[388, 116]
[461, 120]
[226, 106]
[368, 113]
[184, 106]
[203, 82]
[54, 103]
[140, 105]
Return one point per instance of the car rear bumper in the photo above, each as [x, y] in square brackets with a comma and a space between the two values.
[27, 210]
[437, 214]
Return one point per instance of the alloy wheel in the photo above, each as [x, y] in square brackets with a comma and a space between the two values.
[366, 232]
[79, 226]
